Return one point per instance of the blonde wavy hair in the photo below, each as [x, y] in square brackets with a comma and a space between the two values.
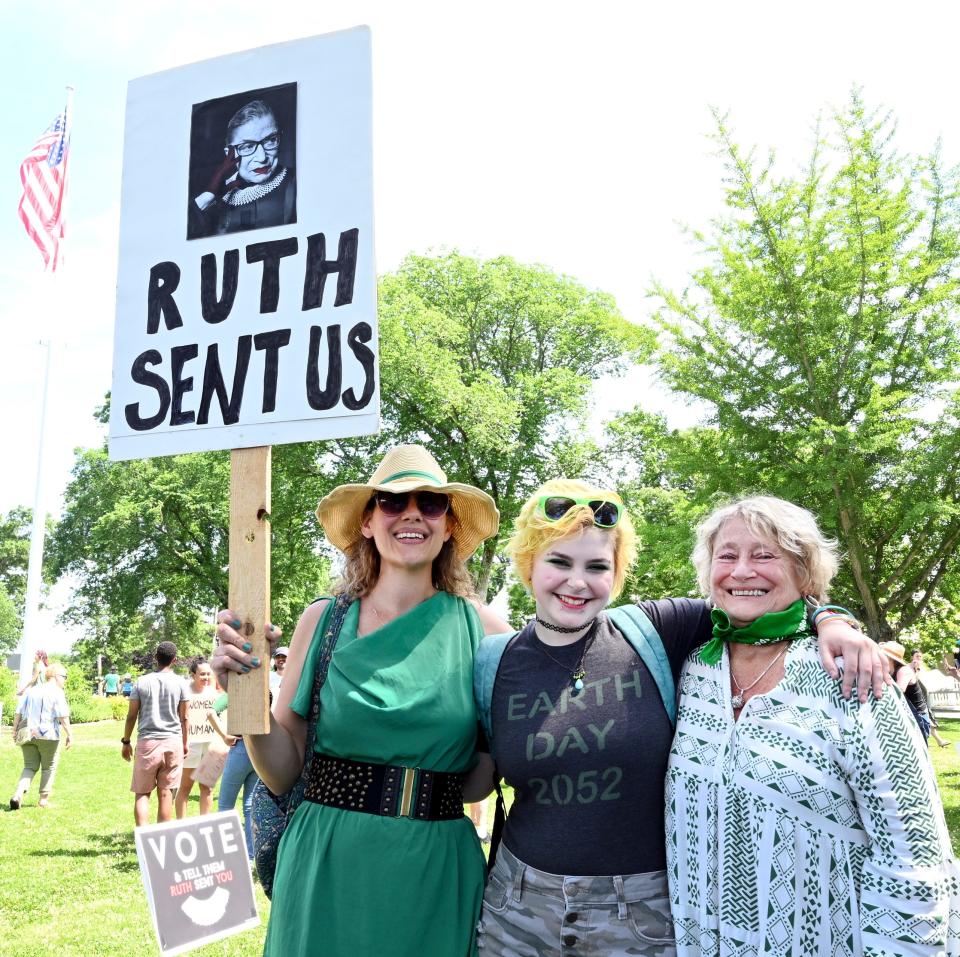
[362, 567]
[793, 529]
[533, 532]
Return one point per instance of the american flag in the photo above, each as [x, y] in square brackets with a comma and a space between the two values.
[44, 177]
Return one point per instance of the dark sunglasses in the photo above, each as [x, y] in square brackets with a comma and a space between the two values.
[429, 504]
[605, 514]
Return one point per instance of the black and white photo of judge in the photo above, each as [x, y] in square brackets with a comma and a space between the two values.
[253, 184]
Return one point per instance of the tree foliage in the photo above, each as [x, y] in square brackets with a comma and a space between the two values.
[15, 528]
[822, 333]
[147, 543]
[490, 365]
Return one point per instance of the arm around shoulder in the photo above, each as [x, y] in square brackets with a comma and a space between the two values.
[492, 623]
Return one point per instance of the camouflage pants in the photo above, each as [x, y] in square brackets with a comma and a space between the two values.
[529, 913]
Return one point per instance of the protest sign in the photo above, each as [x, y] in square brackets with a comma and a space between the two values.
[247, 185]
[197, 878]
[246, 287]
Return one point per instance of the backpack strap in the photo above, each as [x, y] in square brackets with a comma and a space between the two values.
[638, 629]
[486, 662]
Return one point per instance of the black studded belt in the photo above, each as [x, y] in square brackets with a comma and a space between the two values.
[390, 790]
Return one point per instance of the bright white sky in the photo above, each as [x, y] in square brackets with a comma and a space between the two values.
[534, 129]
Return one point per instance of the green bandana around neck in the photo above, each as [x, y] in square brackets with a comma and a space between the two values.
[765, 630]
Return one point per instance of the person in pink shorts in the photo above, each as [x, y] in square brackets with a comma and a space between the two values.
[158, 705]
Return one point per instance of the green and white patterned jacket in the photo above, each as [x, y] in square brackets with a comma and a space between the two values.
[812, 826]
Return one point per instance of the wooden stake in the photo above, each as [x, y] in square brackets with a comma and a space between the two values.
[249, 711]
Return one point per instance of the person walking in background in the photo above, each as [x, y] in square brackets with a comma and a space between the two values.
[916, 663]
[158, 706]
[279, 666]
[43, 711]
[202, 725]
[909, 684]
[238, 774]
[40, 664]
[111, 683]
[127, 686]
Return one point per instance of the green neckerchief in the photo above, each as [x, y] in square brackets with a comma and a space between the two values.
[765, 630]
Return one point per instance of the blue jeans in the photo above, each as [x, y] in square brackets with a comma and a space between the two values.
[238, 772]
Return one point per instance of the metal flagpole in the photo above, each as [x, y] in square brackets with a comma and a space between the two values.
[37, 533]
[31, 611]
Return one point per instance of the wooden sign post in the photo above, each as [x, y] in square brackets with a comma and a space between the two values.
[250, 584]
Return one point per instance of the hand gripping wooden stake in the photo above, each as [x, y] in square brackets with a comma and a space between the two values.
[249, 592]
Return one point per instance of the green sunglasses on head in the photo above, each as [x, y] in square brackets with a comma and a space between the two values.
[606, 513]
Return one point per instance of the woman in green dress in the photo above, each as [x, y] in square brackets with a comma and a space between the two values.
[390, 865]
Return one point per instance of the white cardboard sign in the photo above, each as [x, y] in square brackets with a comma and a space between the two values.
[197, 879]
[246, 289]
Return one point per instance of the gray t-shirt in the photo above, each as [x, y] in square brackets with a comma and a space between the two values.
[159, 694]
[588, 770]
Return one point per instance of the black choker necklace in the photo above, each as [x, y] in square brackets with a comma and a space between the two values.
[560, 628]
[578, 673]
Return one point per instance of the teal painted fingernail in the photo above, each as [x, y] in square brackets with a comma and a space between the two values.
[244, 669]
[272, 627]
[235, 623]
[247, 646]
[255, 662]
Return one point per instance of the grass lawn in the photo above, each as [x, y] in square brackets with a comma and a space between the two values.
[69, 879]
[946, 762]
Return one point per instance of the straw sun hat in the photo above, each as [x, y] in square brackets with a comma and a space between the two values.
[409, 468]
[894, 650]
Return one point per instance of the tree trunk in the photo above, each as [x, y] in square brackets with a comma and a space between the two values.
[486, 566]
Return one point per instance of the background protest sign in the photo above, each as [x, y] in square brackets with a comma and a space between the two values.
[246, 289]
[197, 879]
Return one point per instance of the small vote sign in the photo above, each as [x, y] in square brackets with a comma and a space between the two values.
[197, 877]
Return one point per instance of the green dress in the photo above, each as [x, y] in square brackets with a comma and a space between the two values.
[349, 884]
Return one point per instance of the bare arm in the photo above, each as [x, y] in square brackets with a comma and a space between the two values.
[182, 711]
[65, 724]
[492, 623]
[481, 780]
[214, 720]
[905, 677]
[133, 710]
[278, 755]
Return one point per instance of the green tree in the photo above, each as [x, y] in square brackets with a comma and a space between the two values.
[822, 334]
[11, 624]
[490, 365]
[147, 542]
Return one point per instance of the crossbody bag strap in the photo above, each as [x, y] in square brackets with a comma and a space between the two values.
[327, 644]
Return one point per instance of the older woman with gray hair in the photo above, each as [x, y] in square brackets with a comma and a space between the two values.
[799, 823]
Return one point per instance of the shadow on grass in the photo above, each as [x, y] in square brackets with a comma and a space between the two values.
[119, 846]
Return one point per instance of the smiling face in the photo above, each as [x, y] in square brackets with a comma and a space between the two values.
[750, 576]
[202, 676]
[572, 578]
[261, 164]
[408, 540]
